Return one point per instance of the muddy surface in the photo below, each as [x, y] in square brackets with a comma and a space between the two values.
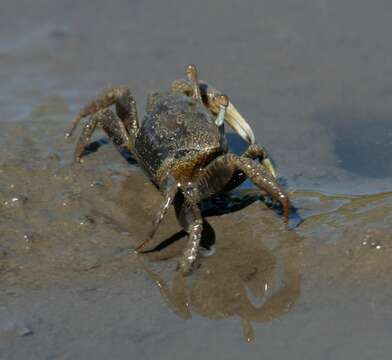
[311, 80]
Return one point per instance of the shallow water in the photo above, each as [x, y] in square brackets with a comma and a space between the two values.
[310, 78]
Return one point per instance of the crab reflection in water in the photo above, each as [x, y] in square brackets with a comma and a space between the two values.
[248, 279]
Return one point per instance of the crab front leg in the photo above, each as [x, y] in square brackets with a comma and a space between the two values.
[219, 173]
[188, 215]
[254, 152]
[120, 127]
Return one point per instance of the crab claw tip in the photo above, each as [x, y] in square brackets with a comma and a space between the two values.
[268, 165]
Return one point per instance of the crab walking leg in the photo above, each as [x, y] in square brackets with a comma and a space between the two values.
[125, 108]
[169, 189]
[189, 216]
[219, 173]
[111, 124]
[85, 137]
[192, 249]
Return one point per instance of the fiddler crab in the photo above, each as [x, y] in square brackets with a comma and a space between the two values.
[182, 147]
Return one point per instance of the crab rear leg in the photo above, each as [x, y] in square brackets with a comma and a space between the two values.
[120, 127]
[111, 124]
[189, 216]
[125, 108]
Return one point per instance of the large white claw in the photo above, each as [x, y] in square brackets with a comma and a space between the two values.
[232, 116]
[239, 124]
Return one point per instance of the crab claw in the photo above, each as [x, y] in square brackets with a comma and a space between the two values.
[239, 124]
[232, 116]
[212, 98]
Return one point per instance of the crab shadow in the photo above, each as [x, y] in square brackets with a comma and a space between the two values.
[94, 146]
[220, 204]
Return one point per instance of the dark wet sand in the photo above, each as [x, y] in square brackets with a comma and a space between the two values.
[313, 80]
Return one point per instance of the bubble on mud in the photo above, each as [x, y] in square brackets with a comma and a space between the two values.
[370, 240]
[68, 198]
[96, 184]
[15, 201]
[29, 239]
[86, 221]
[375, 245]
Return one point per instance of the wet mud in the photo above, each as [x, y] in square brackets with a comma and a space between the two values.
[70, 229]
[310, 79]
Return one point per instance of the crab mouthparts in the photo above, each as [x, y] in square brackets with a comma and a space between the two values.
[239, 124]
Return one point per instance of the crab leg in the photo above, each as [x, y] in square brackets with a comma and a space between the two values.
[170, 189]
[189, 215]
[262, 179]
[111, 124]
[219, 173]
[255, 151]
[125, 108]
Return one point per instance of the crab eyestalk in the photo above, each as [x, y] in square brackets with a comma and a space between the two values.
[191, 74]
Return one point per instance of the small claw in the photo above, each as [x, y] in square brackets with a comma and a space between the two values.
[268, 165]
